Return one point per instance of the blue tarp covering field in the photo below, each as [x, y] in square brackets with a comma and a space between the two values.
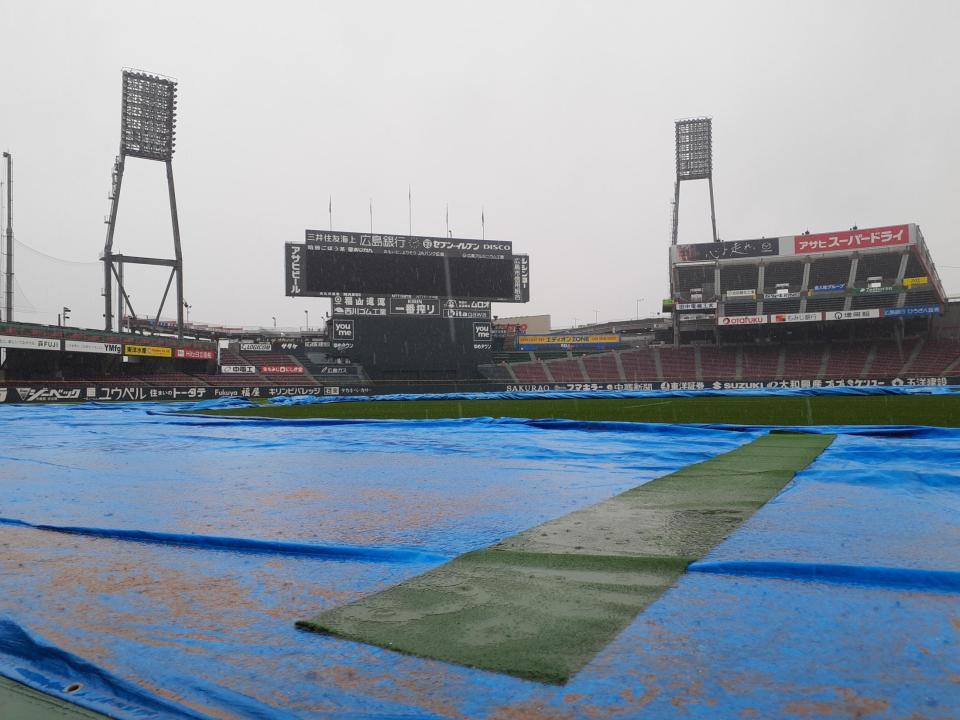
[161, 560]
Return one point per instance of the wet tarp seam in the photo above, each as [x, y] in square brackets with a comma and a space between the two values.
[357, 553]
[947, 581]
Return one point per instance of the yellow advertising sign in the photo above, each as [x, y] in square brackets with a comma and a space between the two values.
[147, 351]
[567, 339]
[911, 281]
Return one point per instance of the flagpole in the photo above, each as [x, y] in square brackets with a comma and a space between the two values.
[483, 224]
[330, 211]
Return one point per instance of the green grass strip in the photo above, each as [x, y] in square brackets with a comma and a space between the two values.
[935, 410]
[541, 604]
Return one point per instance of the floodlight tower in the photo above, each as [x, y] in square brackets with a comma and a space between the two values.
[148, 120]
[694, 162]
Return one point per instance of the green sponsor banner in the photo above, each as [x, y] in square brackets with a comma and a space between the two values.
[875, 290]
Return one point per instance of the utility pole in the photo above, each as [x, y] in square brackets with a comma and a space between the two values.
[9, 317]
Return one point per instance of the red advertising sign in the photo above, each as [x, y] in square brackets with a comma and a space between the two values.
[852, 240]
[191, 354]
[281, 369]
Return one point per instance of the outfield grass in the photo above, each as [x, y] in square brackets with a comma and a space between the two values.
[936, 410]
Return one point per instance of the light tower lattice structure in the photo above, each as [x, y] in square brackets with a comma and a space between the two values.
[694, 143]
[148, 120]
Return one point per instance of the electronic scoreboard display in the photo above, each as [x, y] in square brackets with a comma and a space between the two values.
[332, 264]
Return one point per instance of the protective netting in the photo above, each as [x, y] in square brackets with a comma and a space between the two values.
[160, 561]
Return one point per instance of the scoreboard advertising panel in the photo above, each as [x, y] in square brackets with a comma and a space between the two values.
[332, 264]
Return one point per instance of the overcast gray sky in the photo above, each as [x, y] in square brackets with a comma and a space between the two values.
[556, 117]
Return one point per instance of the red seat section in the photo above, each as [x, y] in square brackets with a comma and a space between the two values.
[639, 365]
[601, 367]
[718, 363]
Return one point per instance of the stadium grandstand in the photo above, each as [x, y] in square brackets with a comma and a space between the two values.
[856, 307]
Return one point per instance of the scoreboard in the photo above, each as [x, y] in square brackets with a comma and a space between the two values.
[332, 264]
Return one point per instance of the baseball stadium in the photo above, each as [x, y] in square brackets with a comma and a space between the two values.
[743, 506]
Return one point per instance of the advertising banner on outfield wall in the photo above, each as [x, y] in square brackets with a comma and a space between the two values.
[796, 317]
[696, 306]
[742, 320]
[281, 369]
[916, 281]
[830, 287]
[726, 250]
[147, 351]
[82, 346]
[547, 341]
[28, 343]
[238, 370]
[852, 240]
[256, 347]
[852, 314]
[101, 393]
[913, 310]
[194, 354]
[781, 296]
[751, 294]
[874, 290]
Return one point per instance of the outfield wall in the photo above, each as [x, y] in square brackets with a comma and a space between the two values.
[85, 392]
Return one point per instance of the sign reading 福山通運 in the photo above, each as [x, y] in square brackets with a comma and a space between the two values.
[852, 240]
[147, 351]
